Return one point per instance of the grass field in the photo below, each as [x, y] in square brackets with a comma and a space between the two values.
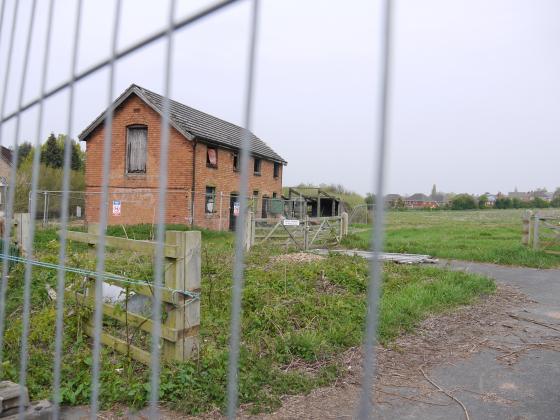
[477, 235]
[297, 319]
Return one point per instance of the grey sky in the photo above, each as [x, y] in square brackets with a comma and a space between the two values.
[475, 92]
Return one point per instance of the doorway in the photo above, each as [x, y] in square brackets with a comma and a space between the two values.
[234, 207]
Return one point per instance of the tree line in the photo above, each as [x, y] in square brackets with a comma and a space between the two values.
[50, 170]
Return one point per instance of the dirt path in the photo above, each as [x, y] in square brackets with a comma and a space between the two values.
[499, 359]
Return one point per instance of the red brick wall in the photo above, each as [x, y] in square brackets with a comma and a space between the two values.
[139, 193]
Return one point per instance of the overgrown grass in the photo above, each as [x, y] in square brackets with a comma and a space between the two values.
[476, 235]
[291, 312]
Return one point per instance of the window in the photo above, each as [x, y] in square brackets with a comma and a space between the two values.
[257, 166]
[136, 142]
[273, 195]
[276, 169]
[212, 157]
[235, 162]
[210, 200]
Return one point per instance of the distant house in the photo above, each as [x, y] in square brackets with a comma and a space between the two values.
[391, 200]
[490, 199]
[203, 165]
[420, 201]
[523, 196]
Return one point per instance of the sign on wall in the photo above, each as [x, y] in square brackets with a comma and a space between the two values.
[116, 207]
[236, 207]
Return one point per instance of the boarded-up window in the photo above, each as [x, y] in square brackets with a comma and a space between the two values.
[136, 144]
[276, 169]
[212, 157]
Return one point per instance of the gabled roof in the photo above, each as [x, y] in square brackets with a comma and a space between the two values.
[6, 154]
[193, 123]
[418, 197]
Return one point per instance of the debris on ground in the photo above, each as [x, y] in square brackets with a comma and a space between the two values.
[384, 256]
[297, 257]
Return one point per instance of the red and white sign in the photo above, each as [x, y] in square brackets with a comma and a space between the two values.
[116, 207]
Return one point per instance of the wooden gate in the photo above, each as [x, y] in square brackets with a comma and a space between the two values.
[542, 232]
[303, 234]
[179, 330]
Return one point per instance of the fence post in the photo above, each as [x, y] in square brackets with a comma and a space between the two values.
[44, 208]
[183, 273]
[221, 199]
[526, 227]
[306, 232]
[22, 232]
[536, 231]
[249, 230]
[344, 225]
[93, 228]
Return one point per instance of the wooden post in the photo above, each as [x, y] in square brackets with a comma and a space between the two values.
[183, 274]
[21, 222]
[93, 228]
[249, 230]
[344, 225]
[536, 231]
[526, 227]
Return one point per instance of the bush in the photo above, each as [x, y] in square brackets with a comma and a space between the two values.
[505, 202]
[463, 202]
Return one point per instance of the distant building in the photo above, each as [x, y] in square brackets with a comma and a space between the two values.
[392, 199]
[420, 201]
[523, 196]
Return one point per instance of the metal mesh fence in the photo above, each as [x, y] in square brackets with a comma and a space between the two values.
[106, 206]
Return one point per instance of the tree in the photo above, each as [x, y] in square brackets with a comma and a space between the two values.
[539, 203]
[503, 203]
[52, 154]
[24, 149]
[370, 198]
[77, 156]
[482, 200]
[463, 202]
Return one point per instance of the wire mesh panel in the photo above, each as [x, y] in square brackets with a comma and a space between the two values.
[113, 239]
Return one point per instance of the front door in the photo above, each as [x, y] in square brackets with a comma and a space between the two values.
[234, 207]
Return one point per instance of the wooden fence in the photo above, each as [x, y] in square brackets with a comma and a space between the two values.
[541, 232]
[303, 234]
[180, 328]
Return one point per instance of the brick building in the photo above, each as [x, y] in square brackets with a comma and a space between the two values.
[203, 165]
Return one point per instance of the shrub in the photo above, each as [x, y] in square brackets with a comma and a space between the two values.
[463, 202]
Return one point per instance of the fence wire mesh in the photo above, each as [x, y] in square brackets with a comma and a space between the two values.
[104, 206]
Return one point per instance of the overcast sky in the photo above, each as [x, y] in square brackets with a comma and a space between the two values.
[475, 94]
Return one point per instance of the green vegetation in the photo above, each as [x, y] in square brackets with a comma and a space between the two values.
[50, 170]
[481, 235]
[294, 315]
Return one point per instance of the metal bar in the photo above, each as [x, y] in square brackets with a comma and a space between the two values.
[365, 409]
[27, 278]
[239, 263]
[118, 55]
[100, 265]
[61, 274]
[160, 234]
[10, 200]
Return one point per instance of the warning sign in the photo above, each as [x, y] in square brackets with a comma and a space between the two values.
[116, 207]
[236, 207]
